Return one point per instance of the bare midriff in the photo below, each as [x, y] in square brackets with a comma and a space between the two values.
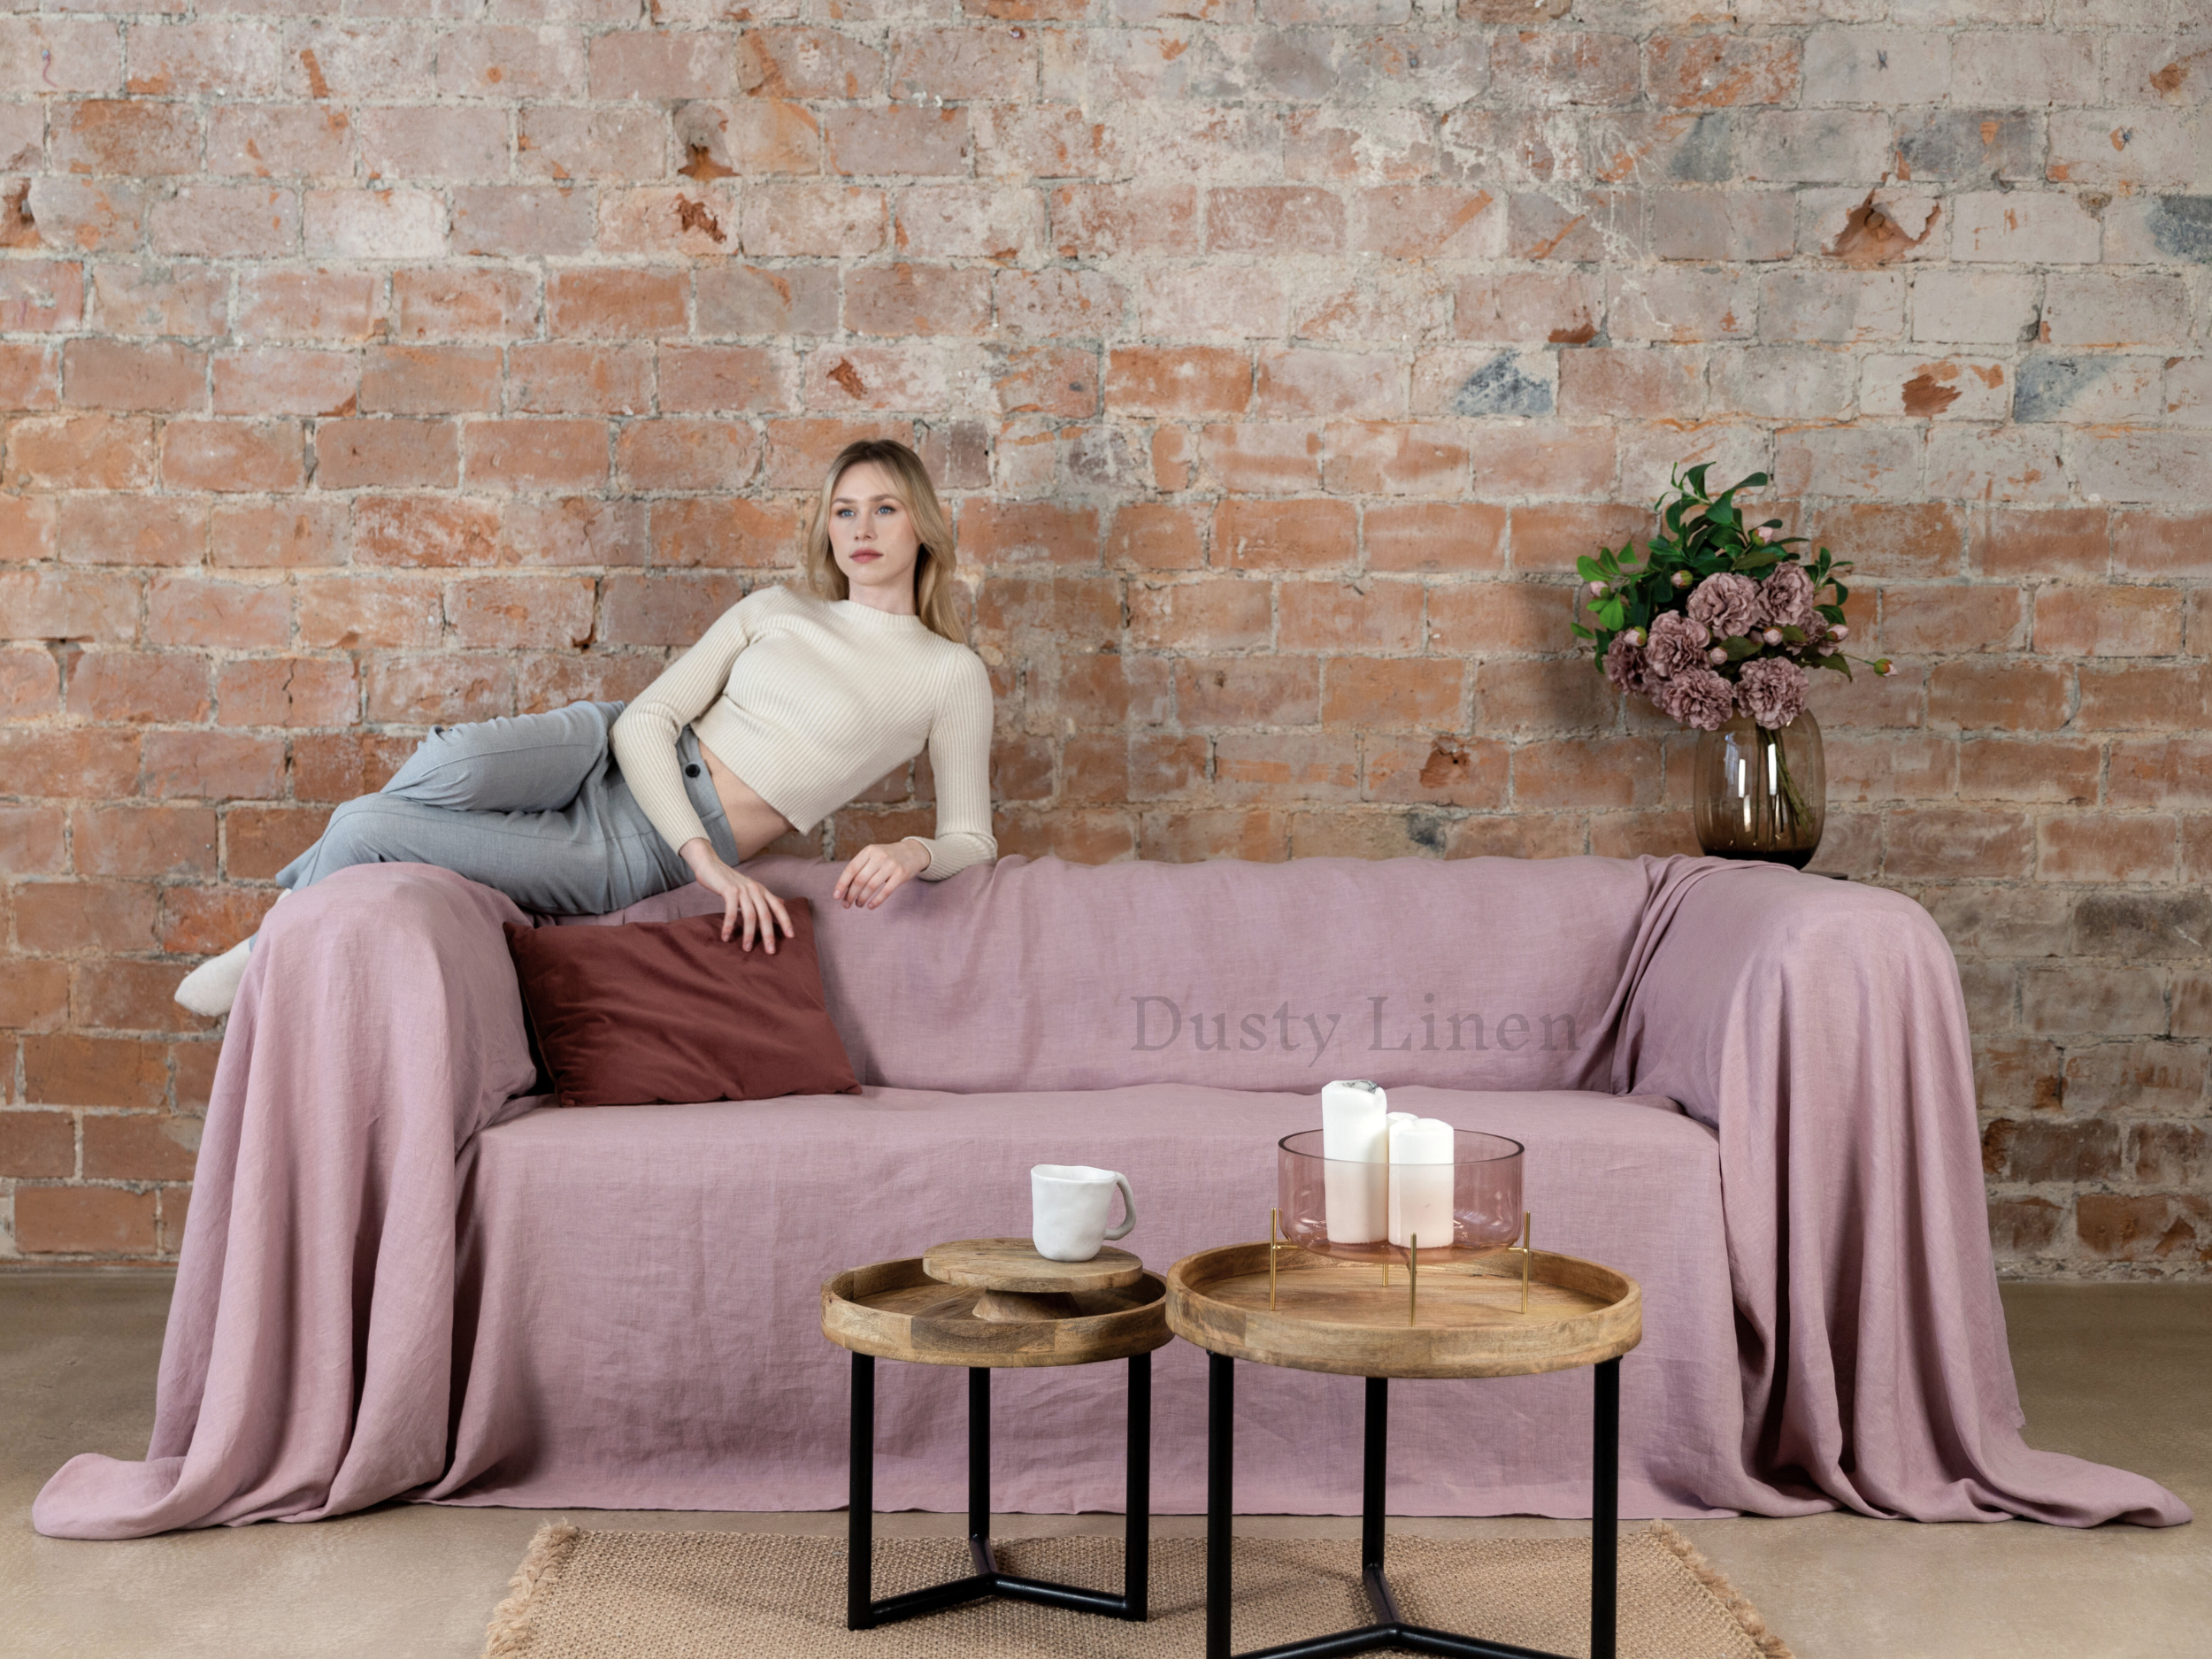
[753, 821]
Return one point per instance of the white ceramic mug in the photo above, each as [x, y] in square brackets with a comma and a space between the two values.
[1068, 1206]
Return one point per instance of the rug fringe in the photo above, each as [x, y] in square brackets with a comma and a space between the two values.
[548, 1552]
[1769, 1645]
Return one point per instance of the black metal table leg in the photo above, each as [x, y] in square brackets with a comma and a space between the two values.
[979, 1468]
[1136, 1535]
[1390, 1628]
[1374, 1465]
[1221, 1431]
[862, 1612]
[1374, 1479]
[860, 1499]
[1605, 1512]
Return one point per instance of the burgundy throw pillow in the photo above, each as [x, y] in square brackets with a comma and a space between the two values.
[644, 1012]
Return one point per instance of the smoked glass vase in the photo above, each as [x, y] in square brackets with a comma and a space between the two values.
[1761, 792]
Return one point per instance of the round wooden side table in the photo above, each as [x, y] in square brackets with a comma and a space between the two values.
[984, 1303]
[1277, 1305]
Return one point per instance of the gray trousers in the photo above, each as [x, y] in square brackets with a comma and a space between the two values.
[532, 804]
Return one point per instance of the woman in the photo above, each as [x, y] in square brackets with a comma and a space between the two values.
[790, 706]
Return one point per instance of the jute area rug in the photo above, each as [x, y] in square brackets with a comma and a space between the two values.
[749, 1595]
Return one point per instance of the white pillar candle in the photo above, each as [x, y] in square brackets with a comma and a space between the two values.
[1355, 1131]
[1420, 1181]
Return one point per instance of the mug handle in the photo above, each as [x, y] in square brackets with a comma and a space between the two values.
[1128, 1208]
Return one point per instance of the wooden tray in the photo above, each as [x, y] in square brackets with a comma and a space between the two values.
[1338, 1317]
[895, 1311]
[1013, 1266]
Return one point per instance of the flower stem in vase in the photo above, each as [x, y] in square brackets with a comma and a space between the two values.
[1770, 742]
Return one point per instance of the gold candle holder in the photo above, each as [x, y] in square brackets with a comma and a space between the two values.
[1413, 1278]
[1527, 1248]
[1274, 1226]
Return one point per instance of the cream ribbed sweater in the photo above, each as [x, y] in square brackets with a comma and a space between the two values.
[810, 701]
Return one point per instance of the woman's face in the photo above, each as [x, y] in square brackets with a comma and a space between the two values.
[873, 535]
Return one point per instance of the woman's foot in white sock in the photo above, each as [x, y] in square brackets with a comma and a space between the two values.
[211, 989]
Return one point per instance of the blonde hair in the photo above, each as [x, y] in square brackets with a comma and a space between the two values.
[934, 564]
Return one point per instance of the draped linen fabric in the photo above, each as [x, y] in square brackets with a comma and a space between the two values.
[1749, 1088]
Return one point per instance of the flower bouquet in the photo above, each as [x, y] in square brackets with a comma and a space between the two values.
[1717, 627]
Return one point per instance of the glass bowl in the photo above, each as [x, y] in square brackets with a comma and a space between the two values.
[1381, 1207]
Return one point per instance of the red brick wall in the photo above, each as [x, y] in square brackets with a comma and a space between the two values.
[459, 356]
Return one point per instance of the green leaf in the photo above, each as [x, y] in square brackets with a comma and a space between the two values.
[1696, 479]
[1586, 568]
[1740, 647]
[1610, 612]
[1834, 613]
[1579, 632]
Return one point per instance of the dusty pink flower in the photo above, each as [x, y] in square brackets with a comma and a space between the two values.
[1787, 597]
[1772, 690]
[1676, 643]
[1625, 667]
[1698, 697]
[1820, 637]
[1726, 603]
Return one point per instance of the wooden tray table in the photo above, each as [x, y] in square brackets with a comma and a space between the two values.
[1277, 1305]
[984, 1303]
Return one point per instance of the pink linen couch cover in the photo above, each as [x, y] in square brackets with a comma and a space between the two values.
[1749, 1088]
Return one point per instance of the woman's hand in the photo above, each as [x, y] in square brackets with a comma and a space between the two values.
[743, 899]
[880, 870]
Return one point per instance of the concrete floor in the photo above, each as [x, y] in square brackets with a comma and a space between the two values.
[2119, 1373]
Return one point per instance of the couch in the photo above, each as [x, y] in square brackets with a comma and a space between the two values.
[405, 1276]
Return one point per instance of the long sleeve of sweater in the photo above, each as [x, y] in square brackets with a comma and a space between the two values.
[960, 764]
[645, 734]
